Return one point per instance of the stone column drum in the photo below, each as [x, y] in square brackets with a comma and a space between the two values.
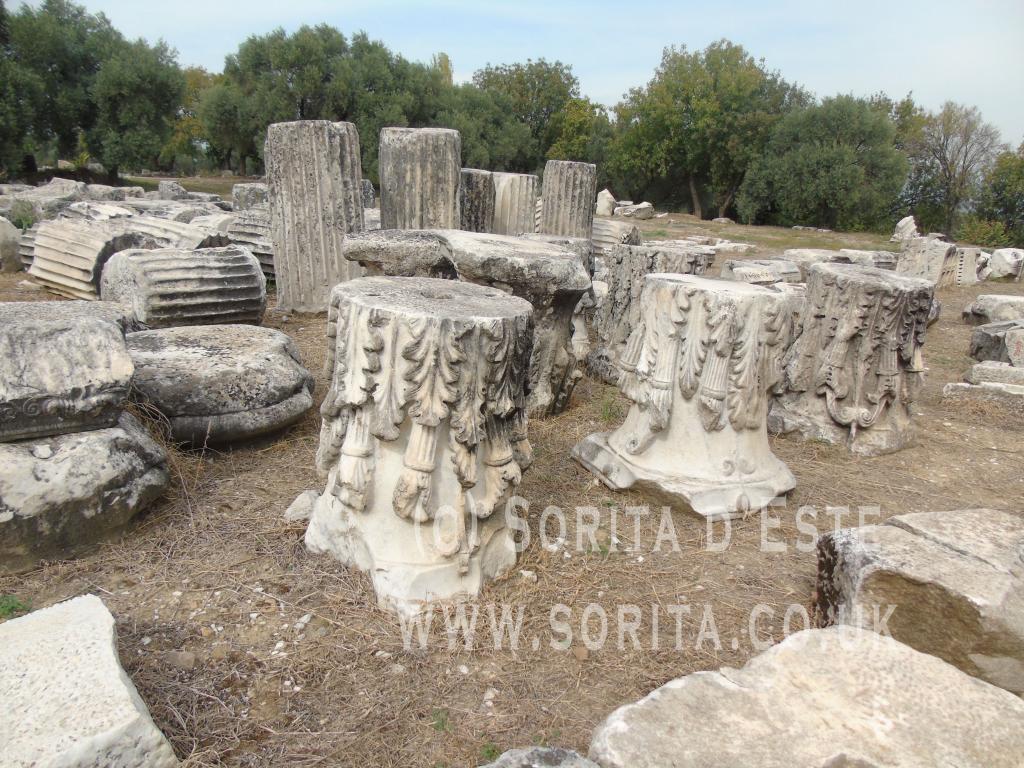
[856, 365]
[420, 171]
[423, 435]
[515, 202]
[314, 178]
[698, 368]
[568, 193]
[476, 200]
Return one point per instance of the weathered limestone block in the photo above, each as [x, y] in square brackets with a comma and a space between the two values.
[1006, 263]
[10, 236]
[103, 192]
[967, 266]
[582, 247]
[314, 180]
[423, 435]
[369, 196]
[169, 287]
[994, 308]
[27, 245]
[804, 258]
[182, 211]
[906, 229]
[761, 271]
[929, 258]
[991, 371]
[515, 202]
[606, 203]
[729, 247]
[698, 368]
[220, 383]
[67, 700]
[722, 220]
[476, 200]
[841, 697]
[989, 341]
[856, 365]
[628, 265]
[638, 211]
[172, 190]
[419, 178]
[251, 229]
[1008, 397]
[607, 234]
[48, 200]
[541, 757]
[96, 211]
[551, 278]
[12, 312]
[62, 494]
[251, 195]
[948, 583]
[59, 372]
[568, 194]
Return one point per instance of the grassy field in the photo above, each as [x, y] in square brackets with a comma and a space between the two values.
[217, 185]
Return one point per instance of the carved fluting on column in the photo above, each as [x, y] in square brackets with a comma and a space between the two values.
[423, 435]
[476, 200]
[314, 180]
[251, 228]
[419, 178]
[856, 365]
[515, 201]
[550, 277]
[607, 234]
[170, 287]
[698, 368]
[569, 191]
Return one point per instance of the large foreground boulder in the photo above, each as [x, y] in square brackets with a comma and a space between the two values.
[67, 701]
[61, 495]
[220, 383]
[824, 698]
[946, 583]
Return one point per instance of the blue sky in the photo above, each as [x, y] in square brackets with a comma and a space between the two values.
[968, 51]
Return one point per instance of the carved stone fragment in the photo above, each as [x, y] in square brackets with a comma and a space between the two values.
[423, 435]
[419, 178]
[515, 201]
[698, 368]
[476, 200]
[246, 196]
[251, 229]
[606, 234]
[568, 193]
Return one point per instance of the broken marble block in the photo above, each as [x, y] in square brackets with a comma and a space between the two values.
[761, 271]
[515, 201]
[69, 311]
[422, 447]
[314, 183]
[906, 229]
[27, 245]
[945, 583]
[67, 700]
[46, 200]
[930, 259]
[698, 367]
[991, 341]
[550, 277]
[1006, 264]
[568, 198]
[606, 203]
[607, 234]
[994, 308]
[172, 190]
[476, 200]
[420, 172]
[638, 211]
[246, 196]
[168, 287]
[61, 495]
[251, 229]
[217, 384]
[841, 697]
[59, 372]
[856, 364]
[990, 371]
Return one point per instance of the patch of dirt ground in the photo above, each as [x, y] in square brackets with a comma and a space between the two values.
[251, 652]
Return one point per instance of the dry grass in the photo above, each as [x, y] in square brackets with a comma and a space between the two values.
[214, 570]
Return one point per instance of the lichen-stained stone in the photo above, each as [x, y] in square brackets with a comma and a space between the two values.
[946, 583]
[476, 200]
[856, 365]
[220, 383]
[423, 435]
[994, 308]
[840, 697]
[541, 757]
[168, 287]
[698, 367]
[67, 701]
[420, 171]
[991, 340]
[59, 373]
[249, 195]
[515, 202]
[314, 180]
[568, 192]
[70, 311]
[550, 277]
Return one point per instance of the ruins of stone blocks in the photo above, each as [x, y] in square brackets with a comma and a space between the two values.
[423, 445]
[947, 584]
[993, 308]
[217, 384]
[515, 202]
[991, 341]
[639, 211]
[607, 234]
[1006, 264]
[568, 198]
[476, 200]
[67, 700]
[930, 259]
[606, 203]
[761, 271]
[169, 286]
[251, 229]
[841, 697]
[856, 365]
[420, 174]
[698, 368]
[906, 230]
[551, 278]
[246, 196]
[314, 181]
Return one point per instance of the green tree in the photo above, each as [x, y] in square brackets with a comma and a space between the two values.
[491, 138]
[830, 165]
[20, 97]
[185, 143]
[1002, 194]
[229, 125]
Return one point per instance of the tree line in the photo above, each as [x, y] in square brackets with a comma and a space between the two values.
[714, 131]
